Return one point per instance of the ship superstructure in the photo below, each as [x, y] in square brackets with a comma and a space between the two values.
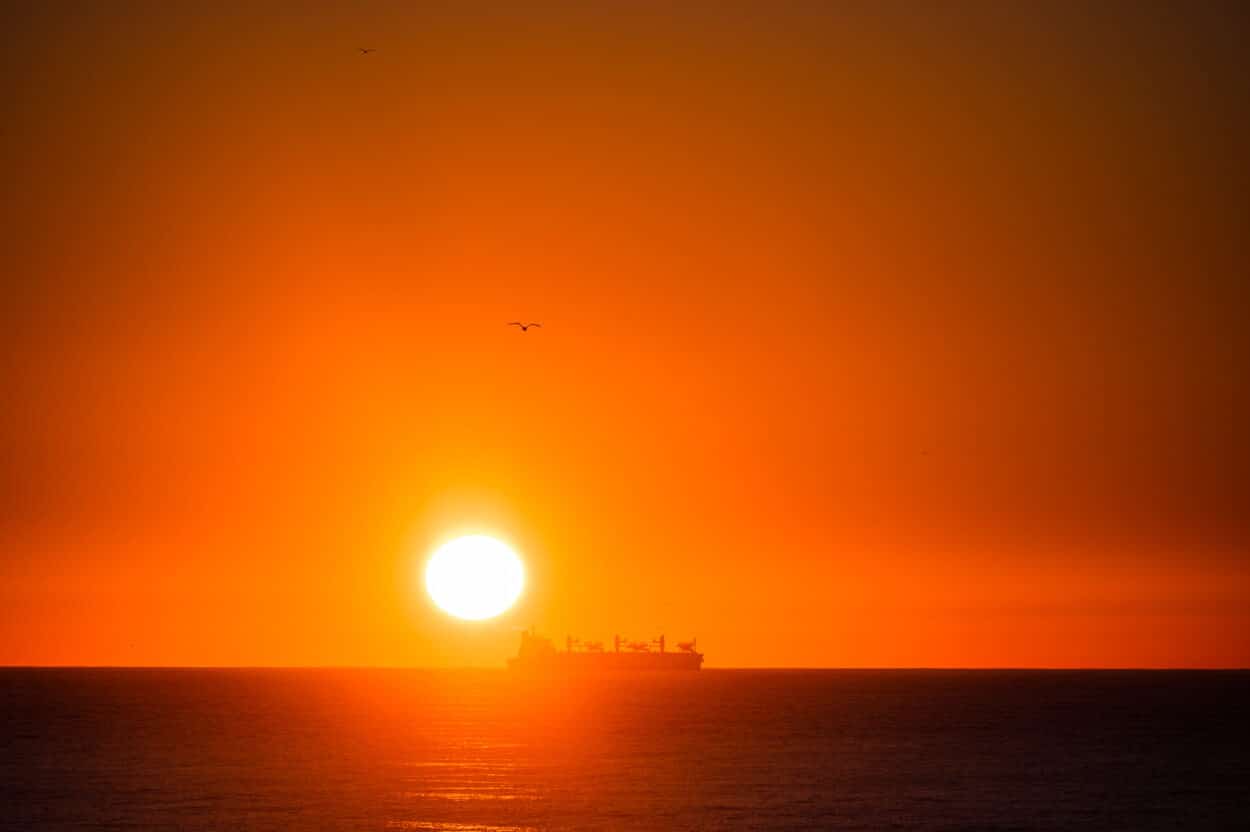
[539, 653]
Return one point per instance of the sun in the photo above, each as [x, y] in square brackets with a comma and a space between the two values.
[474, 577]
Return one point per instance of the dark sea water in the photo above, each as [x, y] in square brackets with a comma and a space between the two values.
[720, 749]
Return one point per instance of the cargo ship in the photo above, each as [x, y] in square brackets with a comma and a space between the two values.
[539, 654]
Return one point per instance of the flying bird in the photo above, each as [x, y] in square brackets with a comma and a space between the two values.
[525, 327]
[364, 51]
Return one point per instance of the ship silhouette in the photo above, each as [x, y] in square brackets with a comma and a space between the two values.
[540, 655]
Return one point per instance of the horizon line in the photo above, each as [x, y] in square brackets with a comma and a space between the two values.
[836, 668]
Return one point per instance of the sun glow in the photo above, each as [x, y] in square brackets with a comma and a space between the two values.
[474, 577]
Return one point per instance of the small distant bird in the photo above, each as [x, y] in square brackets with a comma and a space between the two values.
[364, 51]
[525, 327]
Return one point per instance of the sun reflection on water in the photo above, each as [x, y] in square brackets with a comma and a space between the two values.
[454, 827]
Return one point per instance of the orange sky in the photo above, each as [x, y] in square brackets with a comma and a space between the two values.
[876, 334]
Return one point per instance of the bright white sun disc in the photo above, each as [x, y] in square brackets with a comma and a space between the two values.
[474, 577]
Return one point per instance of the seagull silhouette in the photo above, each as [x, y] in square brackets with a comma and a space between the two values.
[525, 327]
[364, 51]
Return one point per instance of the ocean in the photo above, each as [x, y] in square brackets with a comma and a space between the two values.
[481, 751]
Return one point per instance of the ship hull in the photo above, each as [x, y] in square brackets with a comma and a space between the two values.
[578, 663]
